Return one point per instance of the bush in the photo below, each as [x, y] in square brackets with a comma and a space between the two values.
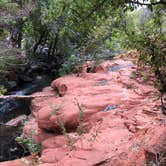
[70, 64]
[11, 58]
[29, 144]
[3, 90]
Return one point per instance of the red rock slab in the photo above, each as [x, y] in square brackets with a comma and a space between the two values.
[83, 158]
[32, 130]
[38, 102]
[93, 95]
[46, 164]
[18, 162]
[122, 127]
[128, 151]
[54, 142]
[53, 155]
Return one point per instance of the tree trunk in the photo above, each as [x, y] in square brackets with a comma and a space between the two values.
[55, 45]
[38, 42]
[16, 34]
[52, 48]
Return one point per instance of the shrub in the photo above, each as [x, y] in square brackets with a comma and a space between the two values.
[29, 145]
[3, 90]
[71, 63]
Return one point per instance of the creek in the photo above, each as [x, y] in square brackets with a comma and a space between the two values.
[12, 108]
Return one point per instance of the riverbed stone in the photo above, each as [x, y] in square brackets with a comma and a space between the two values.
[12, 84]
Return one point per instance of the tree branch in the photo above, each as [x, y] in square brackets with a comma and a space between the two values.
[96, 8]
[146, 4]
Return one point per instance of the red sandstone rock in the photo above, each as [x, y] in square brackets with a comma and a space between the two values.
[59, 86]
[17, 121]
[53, 155]
[46, 164]
[120, 125]
[26, 161]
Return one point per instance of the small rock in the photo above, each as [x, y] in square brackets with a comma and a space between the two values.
[12, 84]
[16, 121]
[38, 77]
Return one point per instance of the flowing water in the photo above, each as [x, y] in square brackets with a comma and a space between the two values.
[12, 108]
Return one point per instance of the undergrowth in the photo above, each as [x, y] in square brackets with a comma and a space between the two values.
[29, 144]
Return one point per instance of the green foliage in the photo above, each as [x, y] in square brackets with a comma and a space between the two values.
[11, 59]
[65, 69]
[29, 144]
[95, 132]
[145, 77]
[149, 38]
[133, 75]
[3, 90]
[70, 65]
[80, 26]
[56, 108]
[69, 140]
[80, 129]
[150, 41]
[10, 7]
[3, 33]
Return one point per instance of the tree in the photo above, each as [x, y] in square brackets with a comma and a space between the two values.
[13, 15]
[149, 38]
